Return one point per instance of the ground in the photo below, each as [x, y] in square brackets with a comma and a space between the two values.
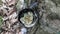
[50, 21]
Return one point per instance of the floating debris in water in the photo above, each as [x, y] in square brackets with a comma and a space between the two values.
[27, 19]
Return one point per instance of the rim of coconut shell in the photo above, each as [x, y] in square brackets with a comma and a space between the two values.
[35, 17]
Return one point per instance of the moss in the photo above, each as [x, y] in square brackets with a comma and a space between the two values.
[1, 20]
[0, 2]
